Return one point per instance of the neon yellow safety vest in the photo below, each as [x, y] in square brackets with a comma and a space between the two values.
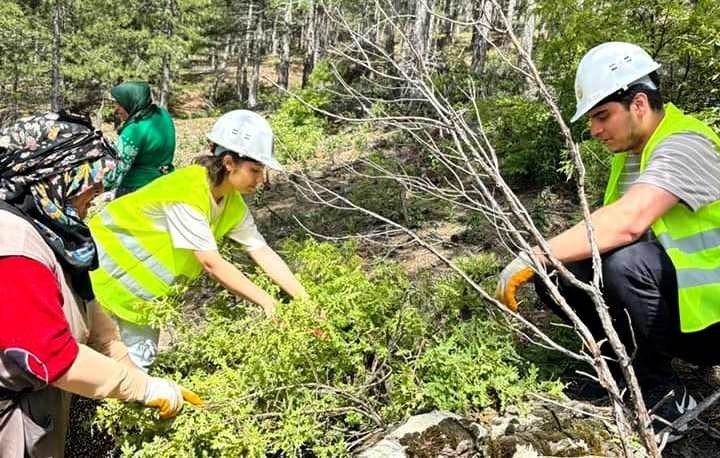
[691, 239]
[137, 259]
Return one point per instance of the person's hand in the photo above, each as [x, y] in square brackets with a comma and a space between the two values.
[168, 396]
[514, 275]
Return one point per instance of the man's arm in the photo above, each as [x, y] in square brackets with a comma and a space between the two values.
[617, 224]
[275, 267]
[233, 280]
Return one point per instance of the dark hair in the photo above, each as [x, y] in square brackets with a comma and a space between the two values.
[215, 166]
[625, 97]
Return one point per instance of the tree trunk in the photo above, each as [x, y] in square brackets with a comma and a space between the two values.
[431, 43]
[275, 42]
[528, 33]
[167, 30]
[310, 32]
[165, 81]
[447, 28]
[408, 25]
[257, 52]
[284, 64]
[241, 77]
[527, 42]
[219, 67]
[320, 34]
[241, 80]
[421, 28]
[378, 29]
[482, 18]
[510, 10]
[56, 102]
[388, 38]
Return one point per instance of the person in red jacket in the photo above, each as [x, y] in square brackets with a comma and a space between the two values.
[54, 339]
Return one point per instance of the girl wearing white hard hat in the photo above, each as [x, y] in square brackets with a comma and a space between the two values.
[168, 231]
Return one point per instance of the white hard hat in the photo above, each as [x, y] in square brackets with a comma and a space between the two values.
[607, 68]
[246, 133]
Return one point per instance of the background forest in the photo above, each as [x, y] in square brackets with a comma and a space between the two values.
[372, 104]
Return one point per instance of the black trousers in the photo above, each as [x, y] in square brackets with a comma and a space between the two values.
[639, 283]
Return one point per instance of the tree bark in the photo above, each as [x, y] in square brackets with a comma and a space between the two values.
[378, 29]
[527, 42]
[482, 18]
[56, 102]
[170, 9]
[165, 81]
[528, 34]
[310, 32]
[421, 28]
[275, 43]
[319, 36]
[220, 67]
[447, 29]
[388, 38]
[431, 43]
[284, 64]
[241, 79]
[510, 10]
[407, 27]
[257, 52]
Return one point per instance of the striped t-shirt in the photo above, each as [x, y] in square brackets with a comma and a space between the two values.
[686, 165]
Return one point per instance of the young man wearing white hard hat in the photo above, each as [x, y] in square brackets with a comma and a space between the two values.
[168, 231]
[658, 231]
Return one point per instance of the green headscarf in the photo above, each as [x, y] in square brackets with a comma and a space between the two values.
[135, 98]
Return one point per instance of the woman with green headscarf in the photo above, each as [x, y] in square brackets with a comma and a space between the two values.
[147, 138]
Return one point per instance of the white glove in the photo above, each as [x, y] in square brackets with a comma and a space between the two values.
[168, 396]
[514, 275]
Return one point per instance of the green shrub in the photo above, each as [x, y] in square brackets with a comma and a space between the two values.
[298, 129]
[369, 348]
[526, 138]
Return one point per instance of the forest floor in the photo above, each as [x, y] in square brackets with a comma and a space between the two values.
[281, 210]
[282, 205]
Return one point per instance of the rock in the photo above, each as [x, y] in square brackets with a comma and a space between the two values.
[525, 451]
[431, 435]
[541, 431]
[500, 426]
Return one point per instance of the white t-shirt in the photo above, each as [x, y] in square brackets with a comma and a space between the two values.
[189, 229]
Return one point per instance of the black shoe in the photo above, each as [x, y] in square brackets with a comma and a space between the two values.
[667, 402]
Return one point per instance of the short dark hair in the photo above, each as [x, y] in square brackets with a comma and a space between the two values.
[214, 164]
[625, 97]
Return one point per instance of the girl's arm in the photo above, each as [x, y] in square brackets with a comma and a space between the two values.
[234, 281]
[273, 265]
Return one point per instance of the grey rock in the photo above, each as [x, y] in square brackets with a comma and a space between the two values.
[437, 434]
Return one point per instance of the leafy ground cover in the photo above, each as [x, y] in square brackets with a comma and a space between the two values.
[370, 347]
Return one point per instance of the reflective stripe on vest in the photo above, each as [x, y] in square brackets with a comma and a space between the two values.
[690, 238]
[133, 247]
[137, 261]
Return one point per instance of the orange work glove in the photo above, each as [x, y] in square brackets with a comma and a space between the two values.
[514, 275]
[168, 396]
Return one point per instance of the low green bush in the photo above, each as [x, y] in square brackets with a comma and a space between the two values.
[526, 138]
[298, 129]
[369, 348]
